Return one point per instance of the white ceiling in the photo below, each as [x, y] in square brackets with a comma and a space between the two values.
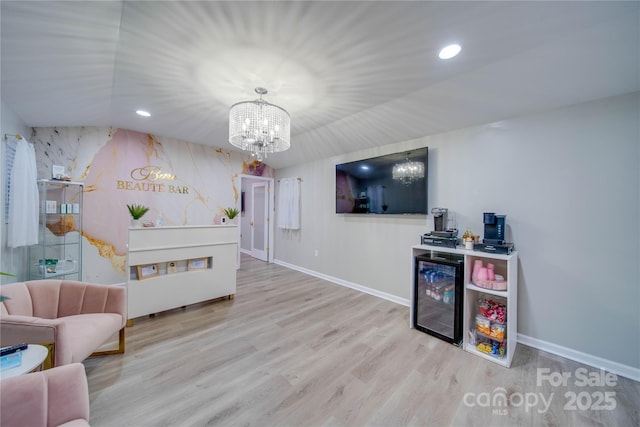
[353, 75]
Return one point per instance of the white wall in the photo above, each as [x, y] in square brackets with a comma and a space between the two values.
[568, 181]
[105, 159]
[11, 260]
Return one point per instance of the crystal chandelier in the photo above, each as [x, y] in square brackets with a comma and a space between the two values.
[259, 127]
[408, 171]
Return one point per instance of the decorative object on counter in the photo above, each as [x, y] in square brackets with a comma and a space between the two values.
[197, 264]
[52, 266]
[137, 212]
[485, 277]
[172, 267]
[146, 271]
[64, 225]
[468, 238]
[259, 127]
[59, 173]
[231, 213]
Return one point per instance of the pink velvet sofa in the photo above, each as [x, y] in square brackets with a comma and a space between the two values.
[55, 397]
[72, 318]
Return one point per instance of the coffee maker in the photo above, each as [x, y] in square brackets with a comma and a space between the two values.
[439, 220]
[443, 234]
[494, 235]
[493, 228]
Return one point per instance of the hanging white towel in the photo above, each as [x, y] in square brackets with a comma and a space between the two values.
[289, 204]
[376, 198]
[23, 198]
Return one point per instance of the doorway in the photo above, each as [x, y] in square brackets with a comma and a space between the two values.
[255, 224]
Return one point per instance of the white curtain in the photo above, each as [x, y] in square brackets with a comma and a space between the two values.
[23, 198]
[376, 198]
[289, 204]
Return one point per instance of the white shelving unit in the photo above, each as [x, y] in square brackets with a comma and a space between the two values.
[506, 266]
[174, 285]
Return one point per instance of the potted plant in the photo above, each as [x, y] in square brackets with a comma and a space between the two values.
[2, 273]
[137, 211]
[231, 213]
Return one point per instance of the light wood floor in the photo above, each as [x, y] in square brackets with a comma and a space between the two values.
[294, 350]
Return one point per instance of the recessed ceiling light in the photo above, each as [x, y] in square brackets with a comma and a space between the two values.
[143, 113]
[450, 51]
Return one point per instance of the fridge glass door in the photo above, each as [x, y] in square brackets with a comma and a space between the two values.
[435, 298]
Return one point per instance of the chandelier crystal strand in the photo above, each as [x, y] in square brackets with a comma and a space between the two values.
[259, 127]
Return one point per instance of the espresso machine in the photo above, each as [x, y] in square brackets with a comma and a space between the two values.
[494, 235]
[444, 232]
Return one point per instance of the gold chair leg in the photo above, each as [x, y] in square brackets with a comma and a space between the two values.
[119, 350]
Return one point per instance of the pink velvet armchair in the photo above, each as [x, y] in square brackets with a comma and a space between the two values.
[55, 397]
[72, 318]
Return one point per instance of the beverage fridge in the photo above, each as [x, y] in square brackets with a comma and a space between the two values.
[438, 295]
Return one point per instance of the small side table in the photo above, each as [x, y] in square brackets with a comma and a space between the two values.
[32, 357]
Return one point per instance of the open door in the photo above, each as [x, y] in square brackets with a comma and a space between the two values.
[260, 221]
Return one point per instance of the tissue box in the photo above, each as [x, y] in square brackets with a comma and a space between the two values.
[10, 360]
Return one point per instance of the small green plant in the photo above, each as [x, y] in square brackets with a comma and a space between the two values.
[137, 211]
[2, 273]
[231, 212]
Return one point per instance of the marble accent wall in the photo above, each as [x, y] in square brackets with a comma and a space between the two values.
[182, 182]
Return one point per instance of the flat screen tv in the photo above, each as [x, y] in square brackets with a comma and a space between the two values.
[393, 184]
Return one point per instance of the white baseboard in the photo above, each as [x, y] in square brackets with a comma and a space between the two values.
[568, 353]
[374, 292]
[588, 359]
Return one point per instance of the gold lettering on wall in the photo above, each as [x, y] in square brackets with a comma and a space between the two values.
[151, 173]
[144, 179]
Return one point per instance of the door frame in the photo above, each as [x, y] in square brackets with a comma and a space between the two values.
[260, 222]
[250, 179]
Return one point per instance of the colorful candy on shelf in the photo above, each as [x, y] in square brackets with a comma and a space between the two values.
[483, 325]
[497, 331]
[490, 327]
[492, 347]
[494, 311]
[484, 347]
